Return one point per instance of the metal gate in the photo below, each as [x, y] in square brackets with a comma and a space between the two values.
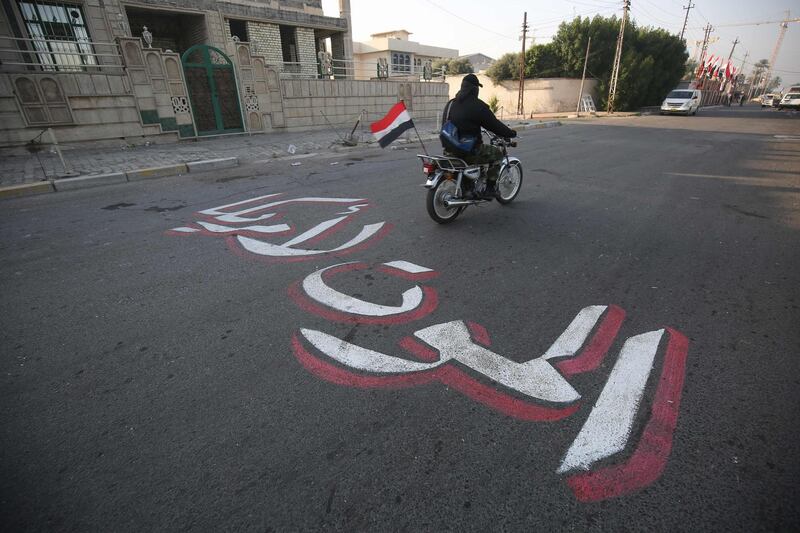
[212, 90]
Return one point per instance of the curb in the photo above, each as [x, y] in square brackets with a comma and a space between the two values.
[157, 172]
[213, 164]
[26, 189]
[540, 125]
[114, 178]
[84, 182]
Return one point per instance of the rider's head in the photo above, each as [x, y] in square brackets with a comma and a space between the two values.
[469, 85]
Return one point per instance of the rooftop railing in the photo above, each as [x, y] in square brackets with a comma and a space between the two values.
[340, 68]
[58, 55]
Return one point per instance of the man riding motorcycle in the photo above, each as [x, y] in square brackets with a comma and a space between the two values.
[469, 114]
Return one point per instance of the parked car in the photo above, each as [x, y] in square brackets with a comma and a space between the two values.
[790, 100]
[682, 101]
[766, 99]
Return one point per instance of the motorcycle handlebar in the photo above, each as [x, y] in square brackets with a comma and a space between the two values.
[504, 142]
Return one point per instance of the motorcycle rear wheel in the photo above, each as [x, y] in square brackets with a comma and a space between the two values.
[438, 211]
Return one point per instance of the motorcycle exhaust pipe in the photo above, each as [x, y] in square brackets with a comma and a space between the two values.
[458, 203]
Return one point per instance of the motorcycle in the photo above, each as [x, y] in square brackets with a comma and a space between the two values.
[453, 185]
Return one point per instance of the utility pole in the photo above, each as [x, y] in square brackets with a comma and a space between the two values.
[521, 98]
[732, 49]
[583, 77]
[741, 72]
[612, 89]
[708, 29]
[685, 20]
[726, 82]
[774, 58]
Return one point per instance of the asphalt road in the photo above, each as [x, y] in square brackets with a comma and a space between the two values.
[164, 380]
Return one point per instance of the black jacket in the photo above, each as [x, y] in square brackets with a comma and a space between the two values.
[470, 114]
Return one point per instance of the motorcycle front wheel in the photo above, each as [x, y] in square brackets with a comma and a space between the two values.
[509, 183]
[445, 190]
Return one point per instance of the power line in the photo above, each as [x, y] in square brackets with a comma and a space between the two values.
[752, 64]
[650, 15]
[653, 4]
[761, 23]
[469, 21]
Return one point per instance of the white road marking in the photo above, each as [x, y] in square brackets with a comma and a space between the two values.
[576, 333]
[608, 427]
[317, 289]
[405, 266]
[216, 228]
[219, 210]
[186, 230]
[362, 358]
[353, 209]
[237, 217]
[313, 232]
[276, 250]
[535, 378]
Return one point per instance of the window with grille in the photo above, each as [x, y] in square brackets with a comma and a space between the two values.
[58, 34]
[401, 62]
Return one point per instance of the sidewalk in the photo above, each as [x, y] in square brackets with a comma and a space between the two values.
[24, 173]
[88, 160]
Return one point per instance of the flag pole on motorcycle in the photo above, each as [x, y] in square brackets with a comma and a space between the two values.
[390, 127]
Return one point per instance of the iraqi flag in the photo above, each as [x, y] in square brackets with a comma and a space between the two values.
[390, 127]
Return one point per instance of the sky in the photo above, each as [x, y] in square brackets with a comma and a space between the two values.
[493, 28]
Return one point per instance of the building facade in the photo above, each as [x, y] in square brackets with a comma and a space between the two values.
[405, 58]
[170, 69]
[479, 62]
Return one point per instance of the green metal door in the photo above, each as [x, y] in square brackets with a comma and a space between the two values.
[212, 90]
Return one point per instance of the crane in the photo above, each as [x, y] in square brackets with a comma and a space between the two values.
[781, 34]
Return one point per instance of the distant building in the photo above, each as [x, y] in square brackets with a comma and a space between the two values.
[164, 70]
[479, 62]
[405, 58]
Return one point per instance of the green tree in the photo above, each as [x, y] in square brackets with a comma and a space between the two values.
[454, 66]
[505, 68]
[759, 69]
[653, 60]
[493, 103]
[543, 61]
[774, 83]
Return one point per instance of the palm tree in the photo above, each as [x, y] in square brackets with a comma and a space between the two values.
[760, 69]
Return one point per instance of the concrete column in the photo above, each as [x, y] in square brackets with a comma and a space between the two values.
[344, 12]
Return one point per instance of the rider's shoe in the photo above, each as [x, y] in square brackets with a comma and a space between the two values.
[489, 192]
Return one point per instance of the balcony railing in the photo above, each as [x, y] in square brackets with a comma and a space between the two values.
[58, 55]
[355, 70]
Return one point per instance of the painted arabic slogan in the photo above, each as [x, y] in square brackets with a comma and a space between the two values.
[458, 353]
[253, 225]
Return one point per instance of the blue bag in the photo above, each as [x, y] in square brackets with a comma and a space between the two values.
[452, 141]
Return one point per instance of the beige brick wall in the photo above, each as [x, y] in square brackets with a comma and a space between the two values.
[342, 100]
[307, 50]
[542, 95]
[268, 40]
[102, 107]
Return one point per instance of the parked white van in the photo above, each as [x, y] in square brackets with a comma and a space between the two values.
[682, 101]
